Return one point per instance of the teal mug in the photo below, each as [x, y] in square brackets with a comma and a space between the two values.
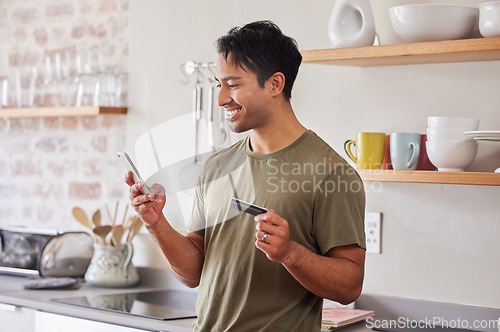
[405, 150]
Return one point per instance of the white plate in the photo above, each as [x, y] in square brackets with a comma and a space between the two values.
[484, 133]
[486, 138]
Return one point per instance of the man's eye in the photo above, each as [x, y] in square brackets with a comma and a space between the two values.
[218, 86]
[232, 86]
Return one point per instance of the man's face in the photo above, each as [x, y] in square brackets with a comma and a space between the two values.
[244, 102]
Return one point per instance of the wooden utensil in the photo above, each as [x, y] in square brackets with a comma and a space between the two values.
[82, 218]
[96, 218]
[116, 235]
[113, 222]
[109, 213]
[134, 228]
[127, 222]
[103, 231]
[125, 214]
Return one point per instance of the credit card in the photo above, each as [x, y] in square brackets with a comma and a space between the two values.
[246, 207]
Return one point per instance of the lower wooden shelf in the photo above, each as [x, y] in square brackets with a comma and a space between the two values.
[467, 178]
[60, 111]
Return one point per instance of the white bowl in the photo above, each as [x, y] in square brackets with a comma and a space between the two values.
[447, 134]
[451, 156]
[385, 31]
[489, 19]
[461, 123]
[433, 22]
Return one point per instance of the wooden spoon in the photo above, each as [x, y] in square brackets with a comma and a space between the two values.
[113, 221]
[116, 235]
[103, 231]
[81, 216]
[96, 218]
[134, 228]
[127, 222]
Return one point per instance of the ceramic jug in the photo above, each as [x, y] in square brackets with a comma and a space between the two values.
[112, 266]
[351, 24]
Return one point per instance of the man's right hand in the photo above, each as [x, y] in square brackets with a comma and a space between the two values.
[185, 254]
[149, 207]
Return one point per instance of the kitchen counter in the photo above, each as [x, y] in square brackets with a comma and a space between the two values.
[12, 292]
[386, 308]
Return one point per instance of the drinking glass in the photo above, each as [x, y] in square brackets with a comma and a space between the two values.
[4, 92]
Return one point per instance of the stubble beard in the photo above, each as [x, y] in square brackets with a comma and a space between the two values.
[246, 124]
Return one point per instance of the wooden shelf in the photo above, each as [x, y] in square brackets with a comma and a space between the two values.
[463, 50]
[468, 178]
[60, 111]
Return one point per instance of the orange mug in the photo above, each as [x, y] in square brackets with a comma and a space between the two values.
[386, 163]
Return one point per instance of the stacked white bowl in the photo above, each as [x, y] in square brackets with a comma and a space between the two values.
[448, 148]
[432, 22]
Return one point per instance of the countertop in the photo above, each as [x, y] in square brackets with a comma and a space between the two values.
[386, 308]
[12, 292]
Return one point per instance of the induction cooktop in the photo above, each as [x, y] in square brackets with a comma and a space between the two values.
[161, 305]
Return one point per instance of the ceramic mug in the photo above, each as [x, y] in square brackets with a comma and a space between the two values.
[489, 19]
[405, 150]
[424, 164]
[369, 150]
[386, 163]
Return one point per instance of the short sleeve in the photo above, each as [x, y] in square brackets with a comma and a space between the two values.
[339, 210]
[196, 222]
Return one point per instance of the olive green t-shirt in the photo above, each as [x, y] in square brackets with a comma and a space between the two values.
[308, 184]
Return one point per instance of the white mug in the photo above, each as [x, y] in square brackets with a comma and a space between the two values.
[489, 19]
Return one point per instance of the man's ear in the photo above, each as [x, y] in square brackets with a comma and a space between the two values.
[276, 83]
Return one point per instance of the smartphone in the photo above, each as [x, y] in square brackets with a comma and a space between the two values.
[243, 206]
[129, 165]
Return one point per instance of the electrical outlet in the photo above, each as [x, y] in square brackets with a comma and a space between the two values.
[373, 227]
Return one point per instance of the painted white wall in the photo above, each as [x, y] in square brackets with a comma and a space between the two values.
[440, 242]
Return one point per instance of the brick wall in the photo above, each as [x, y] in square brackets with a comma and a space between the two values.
[50, 165]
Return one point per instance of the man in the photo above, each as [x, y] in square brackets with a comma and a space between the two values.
[267, 273]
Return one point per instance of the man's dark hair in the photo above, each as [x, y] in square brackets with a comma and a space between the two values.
[263, 49]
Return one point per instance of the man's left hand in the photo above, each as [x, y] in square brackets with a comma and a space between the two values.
[276, 244]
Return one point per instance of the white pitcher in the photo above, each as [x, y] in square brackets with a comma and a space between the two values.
[112, 266]
[351, 24]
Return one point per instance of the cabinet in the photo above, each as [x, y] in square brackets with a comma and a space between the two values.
[15, 318]
[48, 322]
[463, 50]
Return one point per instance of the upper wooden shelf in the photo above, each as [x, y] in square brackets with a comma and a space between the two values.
[59, 111]
[462, 50]
[468, 178]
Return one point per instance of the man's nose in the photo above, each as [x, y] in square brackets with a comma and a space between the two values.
[224, 98]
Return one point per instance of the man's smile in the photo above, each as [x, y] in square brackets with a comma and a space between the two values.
[232, 112]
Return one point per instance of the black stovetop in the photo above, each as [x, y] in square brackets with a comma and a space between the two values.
[162, 305]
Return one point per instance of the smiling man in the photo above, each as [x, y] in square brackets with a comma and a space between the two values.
[271, 272]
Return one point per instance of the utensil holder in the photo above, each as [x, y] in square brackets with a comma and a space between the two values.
[112, 266]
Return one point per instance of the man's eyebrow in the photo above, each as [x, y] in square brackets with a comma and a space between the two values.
[228, 78]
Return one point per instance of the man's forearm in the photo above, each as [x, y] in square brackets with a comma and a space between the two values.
[335, 278]
[184, 255]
